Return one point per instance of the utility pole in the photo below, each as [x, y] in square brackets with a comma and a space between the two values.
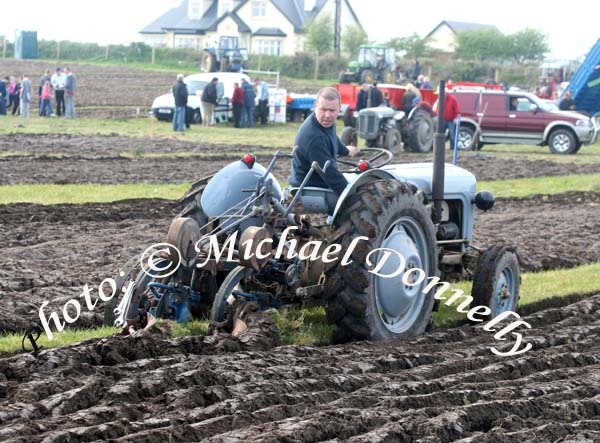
[337, 31]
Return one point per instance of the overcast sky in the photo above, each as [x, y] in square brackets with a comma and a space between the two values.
[571, 35]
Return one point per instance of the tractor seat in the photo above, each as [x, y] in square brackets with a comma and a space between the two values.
[321, 200]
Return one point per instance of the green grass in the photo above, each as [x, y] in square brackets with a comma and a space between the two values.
[51, 194]
[587, 154]
[525, 187]
[535, 286]
[11, 343]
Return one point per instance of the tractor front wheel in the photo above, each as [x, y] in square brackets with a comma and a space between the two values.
[393, 141]
[349, 136]
[421, 131]
[369, 301]
[497, 281]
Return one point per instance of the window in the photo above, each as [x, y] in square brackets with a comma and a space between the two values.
[187, 43]
[195, 8]
[225, 6]
[268, 47]
[259, 8]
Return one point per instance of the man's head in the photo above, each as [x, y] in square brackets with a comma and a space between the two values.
[327, 106]
[58, 70]
[567, 95]
[215, 80]
[67, 70]
[179, 77]
[235, 84]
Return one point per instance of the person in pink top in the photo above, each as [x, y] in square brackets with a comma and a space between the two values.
[46, 110]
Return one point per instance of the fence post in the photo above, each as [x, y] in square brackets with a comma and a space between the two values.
[316, 66]
[497, 75]
[106, 52]
[153, 54]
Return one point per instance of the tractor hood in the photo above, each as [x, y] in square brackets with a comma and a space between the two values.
[231, 186]
[458, 181]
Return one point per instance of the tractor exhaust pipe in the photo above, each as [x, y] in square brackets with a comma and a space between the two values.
[439, 154]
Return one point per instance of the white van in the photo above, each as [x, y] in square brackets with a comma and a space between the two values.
[163, 106]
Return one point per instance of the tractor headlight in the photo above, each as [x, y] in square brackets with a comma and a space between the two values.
[583, 123]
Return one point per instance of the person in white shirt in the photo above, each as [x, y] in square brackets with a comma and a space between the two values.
[58, 81]
[263, 100]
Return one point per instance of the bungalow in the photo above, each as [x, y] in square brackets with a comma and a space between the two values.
[265, 26]
[443, 36]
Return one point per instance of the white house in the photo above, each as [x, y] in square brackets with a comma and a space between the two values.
[265, 26]
[443, 36]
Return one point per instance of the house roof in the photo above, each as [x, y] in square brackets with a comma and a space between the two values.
[457, 27]
[177, 19]
[270, 32]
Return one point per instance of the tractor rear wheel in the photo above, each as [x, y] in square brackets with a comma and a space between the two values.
[363, 305]
[366, 76]
[421, 131]
[497, 281]
[209, 62]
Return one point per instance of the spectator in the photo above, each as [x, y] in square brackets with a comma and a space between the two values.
[14, 90]
[45, 76]
[514, 103]
[180, 93]
[209, 101]
[416, 69]
[237, 101]
[220, 95]
[46, 95]
[263, 100]
[451, 112]
[420, 80]
[25, 96]
[567, 103]
[407, 99]
[3, 94]
[58, 83]
[248, 109]
[375, 96]
[361, 99]
[70, 86]
[426, 84]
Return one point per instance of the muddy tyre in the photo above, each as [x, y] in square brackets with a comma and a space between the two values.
[562, 141]
[393, 141]
[421, 131]
[209, 63]
[497, 281]
[349, 136]
[361, 304]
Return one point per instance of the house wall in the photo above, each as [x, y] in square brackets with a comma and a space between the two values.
[273, 19]
[443, 39]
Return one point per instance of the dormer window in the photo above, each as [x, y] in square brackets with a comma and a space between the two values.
[225, 6]
[259, 8]
[195, 9]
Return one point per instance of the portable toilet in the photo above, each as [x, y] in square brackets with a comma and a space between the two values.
[26, 44]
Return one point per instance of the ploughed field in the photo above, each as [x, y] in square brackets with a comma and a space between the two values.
[443, 386]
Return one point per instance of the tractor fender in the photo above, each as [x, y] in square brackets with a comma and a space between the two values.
[374, 174]
[466, 121]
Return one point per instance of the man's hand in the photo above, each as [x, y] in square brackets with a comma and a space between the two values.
[352, 150]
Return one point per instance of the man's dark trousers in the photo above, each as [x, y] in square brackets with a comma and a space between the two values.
[60, 102]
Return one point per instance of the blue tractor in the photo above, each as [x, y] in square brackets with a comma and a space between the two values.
[370, 255]
[229, 56]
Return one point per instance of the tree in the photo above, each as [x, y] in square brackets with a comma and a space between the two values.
[412, 46]
[528, 45]
[320, 35]
[353, 37]
[485, 44]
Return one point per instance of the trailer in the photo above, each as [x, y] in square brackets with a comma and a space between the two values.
[585, 83]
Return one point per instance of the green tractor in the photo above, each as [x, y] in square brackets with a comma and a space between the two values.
[375, 63]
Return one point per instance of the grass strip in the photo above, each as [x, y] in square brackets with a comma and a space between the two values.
[526, 187]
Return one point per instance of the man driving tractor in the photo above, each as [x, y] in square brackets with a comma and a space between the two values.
[317, 141]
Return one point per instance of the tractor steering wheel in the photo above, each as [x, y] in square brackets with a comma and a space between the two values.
[373, 162]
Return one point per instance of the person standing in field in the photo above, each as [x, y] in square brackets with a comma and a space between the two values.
[209, 101]
[180, 94]
[3, 93]
[237, 101]
[263, 100]
[249, 104]
[14, 89]
[69, 94]
[45, 76]
[58, 84]
[25, 96]
[46, 95]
